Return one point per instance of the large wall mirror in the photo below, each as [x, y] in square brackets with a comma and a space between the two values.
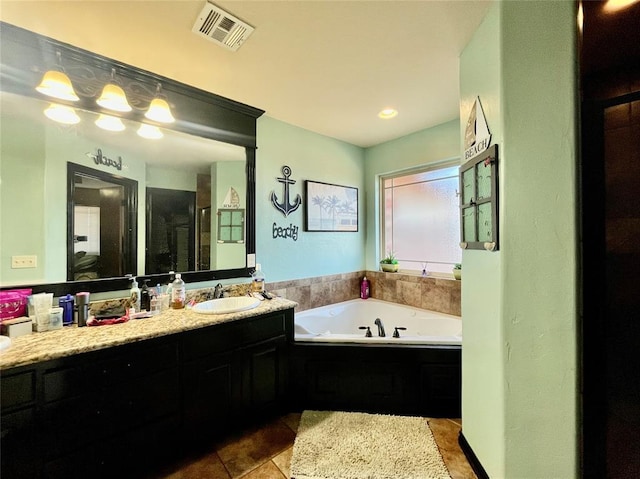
[92, 205]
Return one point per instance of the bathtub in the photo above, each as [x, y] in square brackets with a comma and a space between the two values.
[340, 322]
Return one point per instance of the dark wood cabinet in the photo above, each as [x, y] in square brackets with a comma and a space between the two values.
[92, 404]
[233, 373]
[115, 412]
[419, 380]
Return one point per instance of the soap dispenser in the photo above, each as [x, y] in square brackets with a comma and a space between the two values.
[135, 294]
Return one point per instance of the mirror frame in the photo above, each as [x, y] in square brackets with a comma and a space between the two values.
[26, 55]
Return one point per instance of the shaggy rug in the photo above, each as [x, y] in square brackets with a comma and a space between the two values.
[348, 445]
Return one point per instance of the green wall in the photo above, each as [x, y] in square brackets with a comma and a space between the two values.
[310, 157]
[22, 224]
[519, 304]
[482, 351]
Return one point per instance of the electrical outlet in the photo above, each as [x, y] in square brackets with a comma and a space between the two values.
[30, 261]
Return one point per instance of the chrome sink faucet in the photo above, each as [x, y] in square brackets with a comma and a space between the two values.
[217, 292]
[381, 333]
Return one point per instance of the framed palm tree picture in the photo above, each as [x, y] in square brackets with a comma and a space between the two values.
[330, 207]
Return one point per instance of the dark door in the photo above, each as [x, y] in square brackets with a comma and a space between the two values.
[171, 221]
[610, 217]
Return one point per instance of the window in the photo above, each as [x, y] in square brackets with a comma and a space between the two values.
[230, 226]
[421, 218]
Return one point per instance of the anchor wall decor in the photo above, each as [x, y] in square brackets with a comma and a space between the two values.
[285, 207]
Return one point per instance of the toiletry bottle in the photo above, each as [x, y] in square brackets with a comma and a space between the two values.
[169, 285]
[154, 306]
[364, 288]
[66, 303]
[145, 297]
[177, 293]
[135, 295]
[257, 280]
[82, 308]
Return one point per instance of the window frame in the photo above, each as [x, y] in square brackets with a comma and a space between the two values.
[381, 233]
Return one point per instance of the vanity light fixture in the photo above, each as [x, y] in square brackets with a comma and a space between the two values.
[149, 132]
[62, 114]
[56, 84]
[388, 113]
[159, 109]
[113, 97]
[110, 123]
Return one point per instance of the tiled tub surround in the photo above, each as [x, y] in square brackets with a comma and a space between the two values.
[70, 340]
[435, 294]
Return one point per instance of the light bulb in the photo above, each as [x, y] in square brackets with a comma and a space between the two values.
[62, 114]
[113, 98]
[110, 123]
[159, 111]
[57, 85]
[149, 132]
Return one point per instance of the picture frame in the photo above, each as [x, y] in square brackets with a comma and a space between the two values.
[330, 207]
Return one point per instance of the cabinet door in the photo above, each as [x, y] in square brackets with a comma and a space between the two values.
[207, 403]
[17, 441]
[263, 376]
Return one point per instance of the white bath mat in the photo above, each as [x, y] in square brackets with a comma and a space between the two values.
[348, 445]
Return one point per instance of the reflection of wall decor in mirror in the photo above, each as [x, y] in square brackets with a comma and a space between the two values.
[330, 207]
[102, 211]
[211, 136]
[230, 226]
[479, 201]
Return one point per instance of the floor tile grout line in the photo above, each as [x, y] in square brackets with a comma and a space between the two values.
[223, 464]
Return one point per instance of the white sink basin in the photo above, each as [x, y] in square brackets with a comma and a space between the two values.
[5, 342]
[226, 305]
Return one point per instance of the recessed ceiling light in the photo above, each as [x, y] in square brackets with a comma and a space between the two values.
[388, 113]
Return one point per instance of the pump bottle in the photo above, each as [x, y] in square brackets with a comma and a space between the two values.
[135, 294]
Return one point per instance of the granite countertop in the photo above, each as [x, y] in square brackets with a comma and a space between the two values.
[70, 340]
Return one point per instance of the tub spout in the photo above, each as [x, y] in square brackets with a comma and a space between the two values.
[381, 333]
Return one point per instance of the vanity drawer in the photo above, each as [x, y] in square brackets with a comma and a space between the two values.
[17, 389]
[130, 364]
[99, 370]
[228, 336]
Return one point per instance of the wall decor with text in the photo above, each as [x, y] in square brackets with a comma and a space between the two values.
[479, 201]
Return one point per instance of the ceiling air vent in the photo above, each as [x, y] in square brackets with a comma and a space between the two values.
[221, 27]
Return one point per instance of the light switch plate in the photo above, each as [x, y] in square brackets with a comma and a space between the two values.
[25, 261]
[251, 261]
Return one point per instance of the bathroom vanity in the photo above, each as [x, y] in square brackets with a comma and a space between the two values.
[109, 401]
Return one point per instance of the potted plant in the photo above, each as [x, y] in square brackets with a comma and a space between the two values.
[389, 263]
[457, 271]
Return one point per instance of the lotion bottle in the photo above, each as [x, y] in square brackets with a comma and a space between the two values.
[135, 294]
[364, 288]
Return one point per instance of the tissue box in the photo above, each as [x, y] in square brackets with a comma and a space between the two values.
[16, 327]
[13, 303]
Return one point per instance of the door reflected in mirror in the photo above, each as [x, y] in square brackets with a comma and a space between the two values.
[101, 213]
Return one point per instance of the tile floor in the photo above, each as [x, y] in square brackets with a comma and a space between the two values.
[264, 452]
